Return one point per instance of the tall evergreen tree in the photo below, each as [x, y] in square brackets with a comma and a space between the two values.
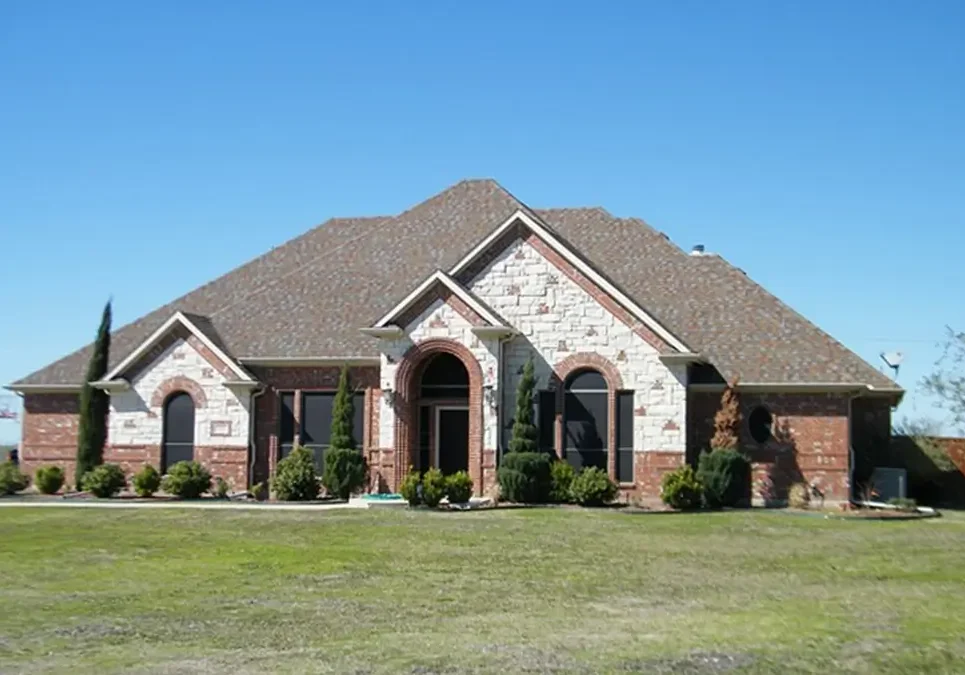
[94, 403]
[727, 421]
[525, 436]
[343, 416]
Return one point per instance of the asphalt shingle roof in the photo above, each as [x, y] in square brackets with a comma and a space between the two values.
[308, 297]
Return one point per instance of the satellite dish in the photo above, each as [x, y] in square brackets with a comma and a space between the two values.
[893, 360]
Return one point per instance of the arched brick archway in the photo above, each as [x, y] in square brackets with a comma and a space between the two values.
[614, 383]
[179, 383]
[406, 404]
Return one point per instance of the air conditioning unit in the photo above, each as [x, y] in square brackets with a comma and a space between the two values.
[890, 483]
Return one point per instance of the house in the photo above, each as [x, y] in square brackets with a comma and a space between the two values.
[435, 312]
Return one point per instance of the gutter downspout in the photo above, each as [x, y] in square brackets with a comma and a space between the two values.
[252, 447]
[851, 486]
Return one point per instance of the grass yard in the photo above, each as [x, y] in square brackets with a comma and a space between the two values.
[547, 590]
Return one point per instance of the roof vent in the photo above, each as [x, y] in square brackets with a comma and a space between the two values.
[697, 250]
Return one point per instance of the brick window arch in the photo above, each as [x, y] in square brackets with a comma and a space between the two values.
[179, 383]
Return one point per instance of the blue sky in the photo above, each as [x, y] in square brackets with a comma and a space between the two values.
[148, 147]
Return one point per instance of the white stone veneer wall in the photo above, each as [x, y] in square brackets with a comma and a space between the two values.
[133, 421]
[439, 320]
[556, 318]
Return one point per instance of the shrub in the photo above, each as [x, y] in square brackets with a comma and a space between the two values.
[295, 479]
[593, 487]
[221, 488]
[49, 479]
[799, 496]
[147, 481]
[904, 503]
[561, 480]
[458, 487]
[410, 488]
[258, 491]
[680, 489]
[105, 480]
[726, 477]
[525, 436]
[188, 480]
[11, 479]
[525, 477]
[344, 472]
[433, 487]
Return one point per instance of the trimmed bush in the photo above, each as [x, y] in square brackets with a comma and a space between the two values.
[906, 504]
[295, 479]
[593, 487]
[525, 477]
[259, 491]
[147, 481]
[458, 487]
[726, 477]
[221, 488]
[681, 490]
[561, 480]
[104, 481]
[433, 488]
[188, 480]
[49, 479]
[409, 488]
[12, 480]
[799, 496]
[344, 472]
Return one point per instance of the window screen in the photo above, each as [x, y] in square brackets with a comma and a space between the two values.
[546, 420]
[585, 417]
[625, 436]
[286, 431]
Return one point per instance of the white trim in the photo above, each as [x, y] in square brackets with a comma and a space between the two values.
[112, 386]
[282, 361]
[43, 388]
[439, 277]
[439, 409]
[241, 384]
[493, 332]
[388, 332]
[145, 346]
[543, 233]
[801, 387]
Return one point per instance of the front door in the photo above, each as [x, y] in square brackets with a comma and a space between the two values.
[452, 439]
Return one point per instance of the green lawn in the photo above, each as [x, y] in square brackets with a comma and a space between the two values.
[543, 590]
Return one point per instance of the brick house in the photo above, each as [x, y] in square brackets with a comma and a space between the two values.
[435, 311]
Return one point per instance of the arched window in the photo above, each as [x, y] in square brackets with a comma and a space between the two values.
[445, 376]
[177, 440]
[586, 419]
[760, 424]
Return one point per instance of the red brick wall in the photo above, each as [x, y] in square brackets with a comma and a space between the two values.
[810, 444]
[49, 433]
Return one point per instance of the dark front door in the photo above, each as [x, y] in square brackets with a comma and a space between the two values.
[453, 440]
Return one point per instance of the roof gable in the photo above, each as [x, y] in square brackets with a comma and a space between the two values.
[177, 319]
[440, 278]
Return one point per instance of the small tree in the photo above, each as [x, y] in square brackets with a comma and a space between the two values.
[525, 436]
[727, 421]
[947, 383]
[92, 422]
[343, 416]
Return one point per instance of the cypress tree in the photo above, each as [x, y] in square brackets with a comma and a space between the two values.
[94, 403]
[525, 436]
[343, 416]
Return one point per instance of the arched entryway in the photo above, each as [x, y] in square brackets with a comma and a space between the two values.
[586, 419]
[439, 411]
[177, 439]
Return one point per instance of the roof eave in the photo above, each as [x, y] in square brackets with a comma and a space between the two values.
[25, 388]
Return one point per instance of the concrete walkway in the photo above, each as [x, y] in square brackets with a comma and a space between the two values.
[225, 505]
